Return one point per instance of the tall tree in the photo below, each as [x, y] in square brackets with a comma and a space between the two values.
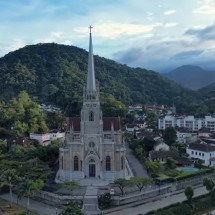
[169, 135]
[29, 189]
[209, 184]
[8, 178]
[189, 193]
[121, 183]
[140, 182]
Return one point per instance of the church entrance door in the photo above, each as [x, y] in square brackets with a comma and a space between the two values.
[92, 170]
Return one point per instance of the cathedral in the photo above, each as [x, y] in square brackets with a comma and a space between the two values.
[93, 146]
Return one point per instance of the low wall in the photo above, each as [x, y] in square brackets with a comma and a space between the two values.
[153, 192]
[56, 198]
[141, 195]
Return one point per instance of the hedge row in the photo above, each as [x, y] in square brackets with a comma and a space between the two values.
[201, 203]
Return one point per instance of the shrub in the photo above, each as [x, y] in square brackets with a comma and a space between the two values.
[104, 201]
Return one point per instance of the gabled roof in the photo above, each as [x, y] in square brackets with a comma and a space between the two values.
[75, 122]
[107, 121]
[131, 125]
[184, 130]
[204, 147]
[204, 130]
[163, 154]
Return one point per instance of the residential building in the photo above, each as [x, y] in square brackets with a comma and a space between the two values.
[135, 107]
[42, 138]
[190, 122]
[46, 138]
[204, 132]
[132, 128]
[57, 135]
[203, 152]
[161, 146]
[185, 135]
[162, 156]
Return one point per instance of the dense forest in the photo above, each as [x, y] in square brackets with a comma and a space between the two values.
[56, 74]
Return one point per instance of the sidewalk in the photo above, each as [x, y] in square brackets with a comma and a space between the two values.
[144, 208]
[38, 207]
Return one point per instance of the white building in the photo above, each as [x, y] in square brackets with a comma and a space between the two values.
[202, 151]
[135, 107]
[184, 135]
[40, 137]
[57, 135]
[132, 127]
[46, 138]
[161, 146]
[189, 122]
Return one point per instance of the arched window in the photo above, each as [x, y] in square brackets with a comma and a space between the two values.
[122, 162]
[108, 163]
[61, 162]
[91, 144]
[91, 116]
[76, 166]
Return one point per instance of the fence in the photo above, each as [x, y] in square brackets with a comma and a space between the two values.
[129, 197]
[160, 190]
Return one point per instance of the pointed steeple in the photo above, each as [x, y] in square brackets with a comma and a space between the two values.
[91, 82]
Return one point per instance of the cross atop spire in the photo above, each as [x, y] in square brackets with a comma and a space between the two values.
[90, 27]
[91, 82]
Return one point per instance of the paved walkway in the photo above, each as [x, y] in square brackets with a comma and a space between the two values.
[90, 203]
[136, 167]
[38, 207]
[155, 204]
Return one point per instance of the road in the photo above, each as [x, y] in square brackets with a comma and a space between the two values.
[136, 167]
[154, 205]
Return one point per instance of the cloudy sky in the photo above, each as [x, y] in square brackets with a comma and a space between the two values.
[154, 34]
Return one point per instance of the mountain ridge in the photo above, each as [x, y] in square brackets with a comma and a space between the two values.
[57, 74]
[191, 77]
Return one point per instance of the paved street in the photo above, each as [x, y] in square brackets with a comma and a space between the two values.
[136, 167]
[40, 208]
[156, 204]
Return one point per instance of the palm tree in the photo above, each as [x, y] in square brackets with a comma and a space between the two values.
[8, 178]
[29, 189]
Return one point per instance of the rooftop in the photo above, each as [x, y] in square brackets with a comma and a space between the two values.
[204, 147]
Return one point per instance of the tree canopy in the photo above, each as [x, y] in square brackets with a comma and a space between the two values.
[56, 74]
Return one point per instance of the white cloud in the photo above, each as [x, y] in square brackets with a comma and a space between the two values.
[114, 30]
[206, 8]
[16, 44]
[149, 13]
[56, 37]
[169, 12]
[170, 24]
[12, 46]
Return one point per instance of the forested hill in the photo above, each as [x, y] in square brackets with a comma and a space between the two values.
[57, 73]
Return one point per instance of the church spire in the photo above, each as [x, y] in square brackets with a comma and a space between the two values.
[91, 82]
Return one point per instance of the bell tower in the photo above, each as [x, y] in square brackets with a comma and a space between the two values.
[91, 114]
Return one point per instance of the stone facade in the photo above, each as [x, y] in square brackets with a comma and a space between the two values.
[93, 146]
